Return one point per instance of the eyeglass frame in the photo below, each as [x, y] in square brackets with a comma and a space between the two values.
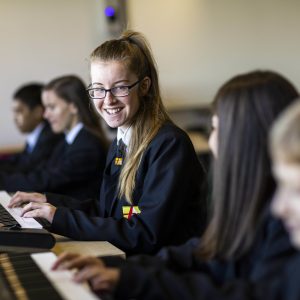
[129, 87]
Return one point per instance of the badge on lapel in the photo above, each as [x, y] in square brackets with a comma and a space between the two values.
[129, 211]
[118, 161]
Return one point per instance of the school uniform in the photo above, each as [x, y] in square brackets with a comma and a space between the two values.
[39, 146]
[288, 287]
[168, 204]
[74, 168]
[176, 273]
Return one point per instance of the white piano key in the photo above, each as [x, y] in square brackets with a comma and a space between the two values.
[62, 280]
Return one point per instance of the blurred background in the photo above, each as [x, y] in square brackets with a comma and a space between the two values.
[198, 44]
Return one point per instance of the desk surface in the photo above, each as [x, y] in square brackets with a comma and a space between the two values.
[99, 248]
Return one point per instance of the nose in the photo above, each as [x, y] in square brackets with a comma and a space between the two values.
[109, 98]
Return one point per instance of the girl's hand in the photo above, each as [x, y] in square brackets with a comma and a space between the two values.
[89, 269]
[20, 198]
[39, 210]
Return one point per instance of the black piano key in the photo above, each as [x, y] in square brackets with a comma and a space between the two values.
[33, 280]
[5, 218]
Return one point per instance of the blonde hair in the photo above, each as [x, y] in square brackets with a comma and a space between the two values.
[134, 51]
[285, 135]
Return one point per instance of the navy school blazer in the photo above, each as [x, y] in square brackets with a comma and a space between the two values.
[43, 149]
[73, 169]
[288, 287]
[169, 193]
[176, 273]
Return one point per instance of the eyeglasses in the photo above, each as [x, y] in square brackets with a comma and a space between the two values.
[117, 91]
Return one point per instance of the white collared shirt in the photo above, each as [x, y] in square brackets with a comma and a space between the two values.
[125, 135]
[71, 135]
[33, 136]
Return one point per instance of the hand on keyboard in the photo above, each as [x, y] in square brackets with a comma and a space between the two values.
[39, 210]
[90, 269]
[11, 217]
[21, 198]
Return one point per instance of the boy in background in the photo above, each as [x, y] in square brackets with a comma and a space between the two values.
[40, 140]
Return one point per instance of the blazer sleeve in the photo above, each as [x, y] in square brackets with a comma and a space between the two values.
[168, 198]
[161, 283]
[178, 276]
[179, 258]
[89, 206]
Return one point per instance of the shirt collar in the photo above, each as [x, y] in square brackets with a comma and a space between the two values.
[71, 135]
[125, 135]
[33, 136]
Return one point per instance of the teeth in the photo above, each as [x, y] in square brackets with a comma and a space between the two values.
[113, 111]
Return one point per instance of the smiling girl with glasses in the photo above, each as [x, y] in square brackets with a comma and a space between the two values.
[151, 192]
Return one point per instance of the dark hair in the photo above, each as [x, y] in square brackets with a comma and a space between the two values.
[243, 184]
[72, 90]
[30, 95]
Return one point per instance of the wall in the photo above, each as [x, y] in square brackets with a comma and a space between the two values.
[201, 43]
[198, 44]
[41, 40]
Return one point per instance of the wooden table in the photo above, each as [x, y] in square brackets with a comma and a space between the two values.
[98, 248]
[94, 248]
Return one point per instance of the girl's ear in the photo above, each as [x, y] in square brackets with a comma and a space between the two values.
[145, 85]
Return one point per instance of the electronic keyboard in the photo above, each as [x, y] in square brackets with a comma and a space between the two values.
[17, 231]
[29, 277]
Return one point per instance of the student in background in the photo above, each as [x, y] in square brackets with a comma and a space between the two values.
[151, 190]
[76, 164]
[285, 149]
[28, 113]
[243, 244]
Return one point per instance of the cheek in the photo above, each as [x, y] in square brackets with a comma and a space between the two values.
[132, 105]
[98, 105]
[295, 205]
[16, 117]
[58, 114]
[21, 119]
[64, 118]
